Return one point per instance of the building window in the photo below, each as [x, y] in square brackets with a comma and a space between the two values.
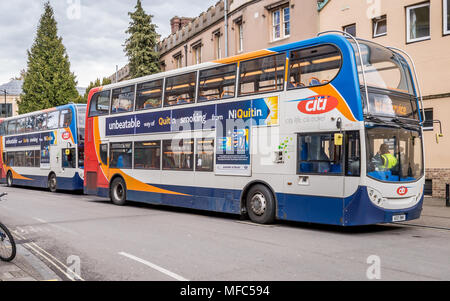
[418, 22]
[428, 124]
[217, 45]
[446, 17]
[379, 26]
[6, 110]
[178, 61]
[350, 29]
[240, 36]
[178, 154]
[197, 53]
[147, 155]
[281, 23]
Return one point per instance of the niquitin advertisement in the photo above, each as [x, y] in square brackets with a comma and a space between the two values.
[233, 122]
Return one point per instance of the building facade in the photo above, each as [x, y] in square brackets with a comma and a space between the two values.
[421, 28]
[8, 100]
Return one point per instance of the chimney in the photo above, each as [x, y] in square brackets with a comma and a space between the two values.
[176, 23]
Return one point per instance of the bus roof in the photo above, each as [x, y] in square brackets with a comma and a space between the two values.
[46, 110]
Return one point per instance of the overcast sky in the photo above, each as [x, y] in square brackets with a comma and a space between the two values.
[93, 35]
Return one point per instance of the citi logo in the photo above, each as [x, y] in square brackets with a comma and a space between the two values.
[402, 190]
[66, 135]
[318, 105]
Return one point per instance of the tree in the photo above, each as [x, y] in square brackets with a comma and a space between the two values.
[48, 81]
[105, 81]
[141, 44]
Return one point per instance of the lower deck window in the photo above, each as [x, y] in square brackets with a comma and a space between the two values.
[317, 154]
[178, 154]
[147, 155]
[205, 155]
[121, 155]
[23, 158]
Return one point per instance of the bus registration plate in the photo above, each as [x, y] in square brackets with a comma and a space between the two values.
[399, 218]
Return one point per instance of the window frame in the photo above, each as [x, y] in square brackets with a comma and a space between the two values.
[408, 22]
[347, 26]
[311, 47]
[111, 151]
[198, 88]
[196, 153]
[146, 141]
[282, 23]
[97, 94]
[343, 155]
[162, 94]
[445, 12]
[163, 145]
[194, 99]
[112, 95]
[238, 81]
[375, 26]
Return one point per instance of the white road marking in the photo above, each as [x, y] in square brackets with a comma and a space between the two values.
[154, 266]
[55, 226]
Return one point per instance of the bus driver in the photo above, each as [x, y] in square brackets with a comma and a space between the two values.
[386, 161]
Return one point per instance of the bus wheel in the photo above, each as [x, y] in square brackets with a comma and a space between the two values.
[9, 179]
[52, 182]
[118, 192]
[260, 204]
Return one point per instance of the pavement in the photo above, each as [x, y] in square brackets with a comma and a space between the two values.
[27, 266]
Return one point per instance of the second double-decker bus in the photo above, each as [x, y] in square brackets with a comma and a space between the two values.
[325, 130]
[44, 148]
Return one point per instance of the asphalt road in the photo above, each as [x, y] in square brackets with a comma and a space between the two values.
[100, 241]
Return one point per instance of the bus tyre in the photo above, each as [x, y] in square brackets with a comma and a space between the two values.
[9, 179]
[52, 182]
[260, 204]
[118, 192]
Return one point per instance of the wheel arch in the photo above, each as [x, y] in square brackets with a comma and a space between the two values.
[115, 176]
[247, 188]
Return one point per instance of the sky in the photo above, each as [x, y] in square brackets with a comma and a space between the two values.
[93, 31]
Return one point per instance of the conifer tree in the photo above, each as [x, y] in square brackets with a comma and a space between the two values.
[141, 44]
[48, 81]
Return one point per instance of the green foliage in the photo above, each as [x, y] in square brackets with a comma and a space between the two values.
[141, 45]
[48, 81]
[97, 83]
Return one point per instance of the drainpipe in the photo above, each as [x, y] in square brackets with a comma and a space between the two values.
[185, 55]
[226, 27]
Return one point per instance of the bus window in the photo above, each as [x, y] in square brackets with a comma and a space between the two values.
[30, 124]
[10, 159]
[353, 155]
[68, 158]
[19, 159]
[262, 75]
[20, 127]
[65, 119]
[314, 66]
[100, 104]
[121, 155]
[41, 122]
[149, 95]
[178, 154]
[122, 100]
[180, 89]
[317, 154]
[204, 158]
[147, 155]
[104, 153]
[11, 127]
[37, 158]
[217, 83]
[53, 120]
[29, 158]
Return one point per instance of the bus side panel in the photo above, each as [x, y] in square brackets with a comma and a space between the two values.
[210, 199]
[309, 208]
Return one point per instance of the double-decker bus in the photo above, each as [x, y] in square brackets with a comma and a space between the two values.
[326, 130]
[44, 148]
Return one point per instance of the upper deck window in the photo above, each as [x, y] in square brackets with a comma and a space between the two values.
[217, 83]
[262, 75]
[65, 118]
[11, 128]
[53, 120]
[100, 104]
[314, 66]
[41, 122]
[122, 100]
[149, 95]
[180, 89]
